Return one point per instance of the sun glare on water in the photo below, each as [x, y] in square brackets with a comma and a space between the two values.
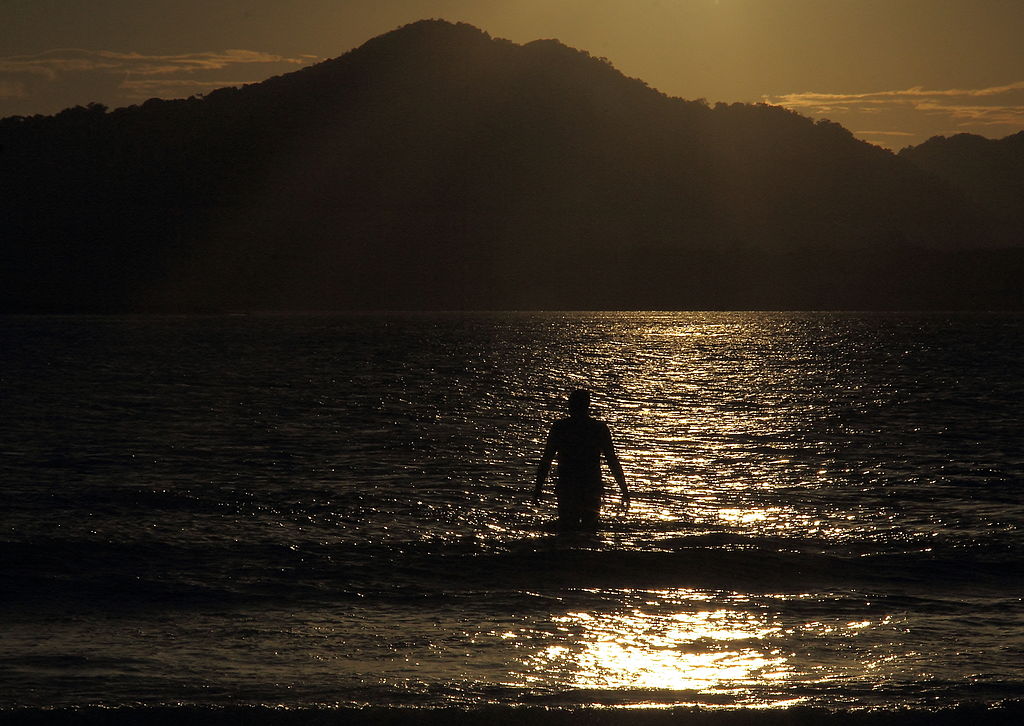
[705, 651]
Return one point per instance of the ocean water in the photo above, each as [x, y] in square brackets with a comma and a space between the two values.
[333, 512]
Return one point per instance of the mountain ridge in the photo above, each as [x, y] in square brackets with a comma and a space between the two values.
[990, 173]
[437, 167]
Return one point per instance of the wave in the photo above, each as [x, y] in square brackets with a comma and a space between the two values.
[182, 575]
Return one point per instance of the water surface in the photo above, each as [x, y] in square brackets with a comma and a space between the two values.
[334, 510]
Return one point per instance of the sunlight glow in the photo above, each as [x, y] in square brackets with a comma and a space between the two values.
[702, 651]
[740, 516]
[680, 646]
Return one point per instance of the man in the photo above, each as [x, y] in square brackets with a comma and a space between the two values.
[578, 442]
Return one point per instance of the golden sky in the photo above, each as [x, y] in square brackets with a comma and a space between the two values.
[894, 72]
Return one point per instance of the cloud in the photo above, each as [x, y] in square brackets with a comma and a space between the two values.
[49, 81]
[1001, 105]
[52, 63]
[11, 89]
[141, 90]
[983, 115]
[885, 133]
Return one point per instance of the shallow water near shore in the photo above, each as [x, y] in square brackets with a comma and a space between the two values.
[332, 511]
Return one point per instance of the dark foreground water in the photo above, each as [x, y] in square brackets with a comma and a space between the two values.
[236, 517]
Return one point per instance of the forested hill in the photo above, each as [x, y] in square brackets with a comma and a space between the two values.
[990, 172]
[436, 167]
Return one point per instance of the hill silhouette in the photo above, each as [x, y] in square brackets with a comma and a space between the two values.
[990, 172]
[435, 167]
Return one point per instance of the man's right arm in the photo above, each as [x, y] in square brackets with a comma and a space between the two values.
[545, 464]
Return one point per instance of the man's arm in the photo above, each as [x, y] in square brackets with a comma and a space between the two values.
[608, 449]
[545, 464]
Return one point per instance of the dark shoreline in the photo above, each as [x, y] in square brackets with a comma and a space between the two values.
[976, 715]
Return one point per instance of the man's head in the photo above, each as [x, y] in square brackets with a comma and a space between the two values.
[579, 402]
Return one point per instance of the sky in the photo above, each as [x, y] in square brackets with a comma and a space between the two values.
[895, 72]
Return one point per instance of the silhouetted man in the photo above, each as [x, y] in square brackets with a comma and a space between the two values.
[578, 442]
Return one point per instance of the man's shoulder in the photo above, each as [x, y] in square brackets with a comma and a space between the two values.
[561, 425]
[578, 423]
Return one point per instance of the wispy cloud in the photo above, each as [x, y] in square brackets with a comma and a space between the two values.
[1001, 105]
[905, 94]
[11, 89]
[48, 81]
[886, 133]
[1011, 115]
[170, 88]
[52, 63]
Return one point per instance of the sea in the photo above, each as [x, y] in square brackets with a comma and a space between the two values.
[284, 518]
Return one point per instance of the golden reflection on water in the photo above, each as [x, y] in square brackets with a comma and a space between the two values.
[692, 647]
[708, 651]
[729, 432]
[743, 516]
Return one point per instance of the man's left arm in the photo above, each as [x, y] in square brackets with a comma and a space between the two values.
[608, 449]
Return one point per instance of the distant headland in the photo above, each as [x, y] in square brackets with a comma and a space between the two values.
[436, 167]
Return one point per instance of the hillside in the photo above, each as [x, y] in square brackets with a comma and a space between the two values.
[437, 167]
[990, 172]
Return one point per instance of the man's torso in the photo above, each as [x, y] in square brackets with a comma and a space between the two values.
[578, 445]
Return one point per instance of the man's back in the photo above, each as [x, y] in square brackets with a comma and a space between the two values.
[578, 442]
